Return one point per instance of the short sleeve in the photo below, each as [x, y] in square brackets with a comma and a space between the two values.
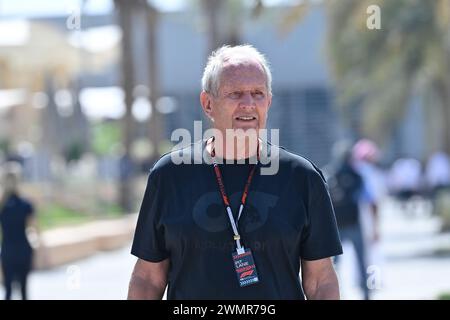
[321, 236]
[149, 242]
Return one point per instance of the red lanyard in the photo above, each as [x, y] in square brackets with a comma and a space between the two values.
[226, 202]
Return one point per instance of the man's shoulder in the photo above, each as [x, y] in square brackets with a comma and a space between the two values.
[177, 158]
[299, 163]
[21, 202]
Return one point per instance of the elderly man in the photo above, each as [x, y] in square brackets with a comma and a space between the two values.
[223, 230]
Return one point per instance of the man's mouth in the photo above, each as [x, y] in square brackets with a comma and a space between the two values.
[245, 118]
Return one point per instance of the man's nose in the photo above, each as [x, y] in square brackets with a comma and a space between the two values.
[247, 100]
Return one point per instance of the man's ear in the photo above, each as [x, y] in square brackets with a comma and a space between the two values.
[270, 101]
[205, 100]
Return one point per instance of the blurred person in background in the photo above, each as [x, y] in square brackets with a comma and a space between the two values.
[16, 215]
[347, 190]
[437, 172]
[437, 175]
[405, 182]
[365, 156]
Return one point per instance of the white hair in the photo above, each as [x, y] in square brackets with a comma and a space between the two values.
[213, 69]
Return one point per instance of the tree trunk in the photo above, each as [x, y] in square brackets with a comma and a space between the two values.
[444, 84]
[442, 91]
[156, 123]
[211, 8]
[446, 118]
[234, 11]
[125, 11]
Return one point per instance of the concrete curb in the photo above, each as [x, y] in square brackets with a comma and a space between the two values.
[68, 244]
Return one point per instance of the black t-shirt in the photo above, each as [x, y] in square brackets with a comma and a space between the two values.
[288, 216]
[13, 216]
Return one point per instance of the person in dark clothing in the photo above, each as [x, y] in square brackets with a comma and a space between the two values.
[347, 189]
[222, 228]
[15, 216]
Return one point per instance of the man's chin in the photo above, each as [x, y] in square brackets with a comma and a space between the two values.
[245, 129]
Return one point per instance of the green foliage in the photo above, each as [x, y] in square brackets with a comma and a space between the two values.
[74, 151]
[444, 296]
[109, 210]
[55, 215]
[106, 138]
[384, 68]
[4, 146]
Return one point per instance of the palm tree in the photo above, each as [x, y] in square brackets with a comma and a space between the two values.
[125, 12]
[156, 123]
[224, 20]
[383, 69]
[211, 10]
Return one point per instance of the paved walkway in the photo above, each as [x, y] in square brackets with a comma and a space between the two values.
[413, 260]
[407, 267]
[103, 276]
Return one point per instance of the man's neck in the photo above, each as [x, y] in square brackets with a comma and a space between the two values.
[233, 151]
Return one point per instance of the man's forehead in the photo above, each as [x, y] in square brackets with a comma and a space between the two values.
[241, 72]
[239, 62]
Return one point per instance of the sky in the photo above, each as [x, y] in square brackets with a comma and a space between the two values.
[28, 8]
